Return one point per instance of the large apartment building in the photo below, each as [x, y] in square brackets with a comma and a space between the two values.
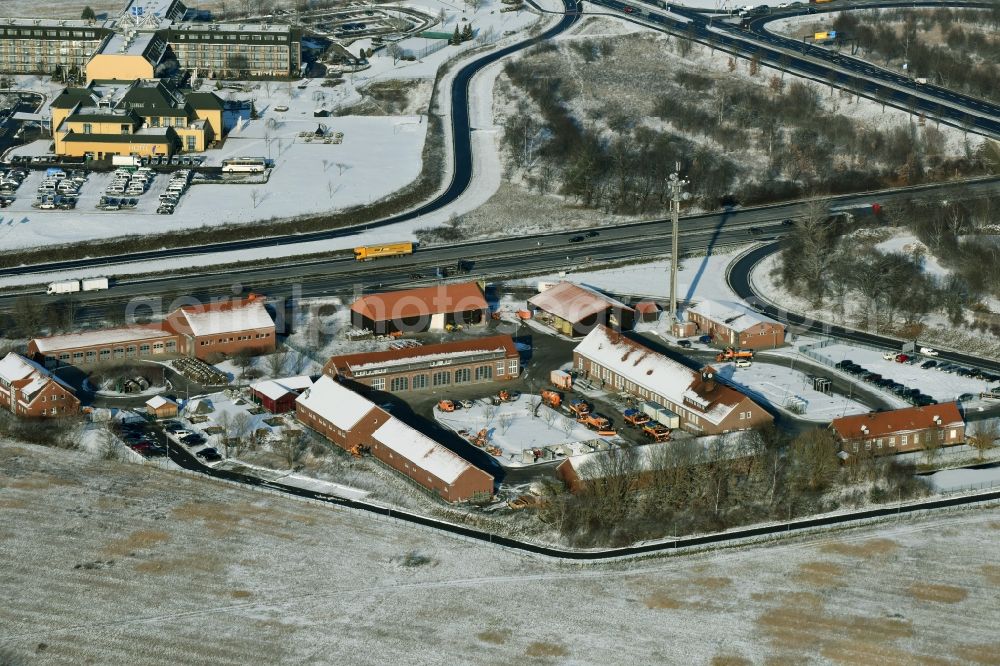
[136, 43]
[47, 46]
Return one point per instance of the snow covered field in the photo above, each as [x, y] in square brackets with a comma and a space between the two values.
[177, 569]
[783, 387]
[965, 479]
[941, 386]
[512, 428]
[698, 278]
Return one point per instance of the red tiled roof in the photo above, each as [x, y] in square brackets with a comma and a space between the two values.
[408, 303]
[344, 362]
[647, 307]
[909, 419]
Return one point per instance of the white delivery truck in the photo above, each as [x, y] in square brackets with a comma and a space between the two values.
[67, 287]
[95, 284]
[125, 160]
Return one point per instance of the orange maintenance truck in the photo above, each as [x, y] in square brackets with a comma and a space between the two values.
[369, 252]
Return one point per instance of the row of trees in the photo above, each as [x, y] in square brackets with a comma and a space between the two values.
[685, 488]
[606, 157]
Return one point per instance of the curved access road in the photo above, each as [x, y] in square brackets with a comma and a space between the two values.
[739, 280]
[460, 180]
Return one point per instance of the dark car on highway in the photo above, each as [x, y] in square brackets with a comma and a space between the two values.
[576, 239]
[684, 343]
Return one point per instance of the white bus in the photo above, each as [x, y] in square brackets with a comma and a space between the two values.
[244, 165]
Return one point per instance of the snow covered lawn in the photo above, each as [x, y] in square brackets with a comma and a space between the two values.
[941, 386]
[950, 480]
[512, 428]
[783, 387]
[698, 278]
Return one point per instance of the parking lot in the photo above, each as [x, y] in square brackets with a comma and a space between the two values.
[916, 378]
[102, 192]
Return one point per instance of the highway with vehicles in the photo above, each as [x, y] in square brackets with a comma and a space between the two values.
[820, 64]
[493, 258]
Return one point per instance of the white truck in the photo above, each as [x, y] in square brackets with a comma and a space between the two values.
[67, 287]
[125, 160]
[95, 284]
[73, 286]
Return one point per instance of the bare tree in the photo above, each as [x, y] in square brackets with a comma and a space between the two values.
[340, 168]
[243, 359]
[291, 446]
[984, 436]
[276, 362]
[255, 196]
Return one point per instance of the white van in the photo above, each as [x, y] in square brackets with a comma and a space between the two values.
[115, 189]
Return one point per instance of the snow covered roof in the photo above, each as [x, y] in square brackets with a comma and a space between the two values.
[735, 316]
[227, 317]
[573, 302]
[276, 388]
[456, 350]
[158, 401]
[96, 338]
[660, 375]
[336, 403]
[426, 301]
[880, 424]
[29, 375]
[421, 450]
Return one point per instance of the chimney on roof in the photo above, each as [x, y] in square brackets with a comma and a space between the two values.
[708, 377]
[864, 429]
[937, 419]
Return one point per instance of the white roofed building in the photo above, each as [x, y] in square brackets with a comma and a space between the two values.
[278, 395]
[703, 403]
[224, 327]
[199, 331]
[736, 325]
[29, 390]
[356, 424]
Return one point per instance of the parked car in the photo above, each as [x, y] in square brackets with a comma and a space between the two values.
[902, 358]
[743, 363]
[965, 397]
[889, 355]
[684, 343]
[927, 365]
[705, 339]
[928, 351]
[209, 454]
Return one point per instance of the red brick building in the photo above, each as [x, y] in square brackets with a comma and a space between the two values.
[354, 423]
[424, 309]
[735, 325]
[278, 395]
[472, 361]
[199, 331]
[223, 327]
[901, 430]
[27, 389]
[703, 403]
